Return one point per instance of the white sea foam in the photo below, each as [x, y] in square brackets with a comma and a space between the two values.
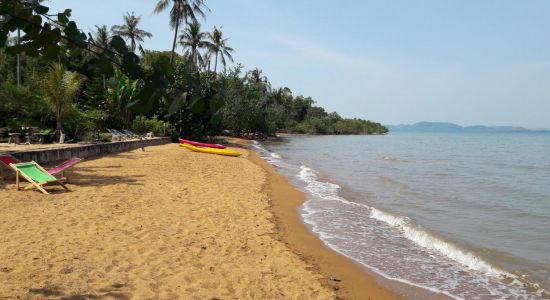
[271, 157]
[275, 155]
[432, 243]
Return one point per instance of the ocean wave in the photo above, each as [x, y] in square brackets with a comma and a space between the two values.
[432, 243]
[271, 157]
[275, 155]
[393, 159]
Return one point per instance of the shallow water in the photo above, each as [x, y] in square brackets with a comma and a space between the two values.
[467, 215]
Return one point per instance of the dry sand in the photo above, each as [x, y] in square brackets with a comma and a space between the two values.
[166, 223]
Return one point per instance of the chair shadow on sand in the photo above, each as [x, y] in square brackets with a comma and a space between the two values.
[81, 177]
[90, 177]
[57, 293]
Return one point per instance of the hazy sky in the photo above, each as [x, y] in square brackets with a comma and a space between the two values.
[468, 62]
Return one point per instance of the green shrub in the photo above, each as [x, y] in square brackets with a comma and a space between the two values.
[20, 107]
[143, 125]
[104, 136]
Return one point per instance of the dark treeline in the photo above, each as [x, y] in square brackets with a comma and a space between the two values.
[62, 80]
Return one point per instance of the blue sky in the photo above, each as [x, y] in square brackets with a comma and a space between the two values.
[400, 61]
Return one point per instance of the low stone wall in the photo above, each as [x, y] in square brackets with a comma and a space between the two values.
[43, 156]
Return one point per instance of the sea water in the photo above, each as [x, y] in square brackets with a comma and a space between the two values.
[467, 215]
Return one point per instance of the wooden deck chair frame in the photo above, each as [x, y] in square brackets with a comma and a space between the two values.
[33, 184]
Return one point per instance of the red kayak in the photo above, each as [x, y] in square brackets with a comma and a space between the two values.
[217, 146]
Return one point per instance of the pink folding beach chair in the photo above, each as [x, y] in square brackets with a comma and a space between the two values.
[62, 168]
[6, 160]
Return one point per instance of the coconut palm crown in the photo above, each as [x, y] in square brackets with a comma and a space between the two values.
[130, 31]
[192, 40]
[219, 48]
[63, 87]
[182, 11]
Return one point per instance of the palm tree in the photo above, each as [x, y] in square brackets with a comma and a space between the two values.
[63, 86]
[206, 58]
[194, 39]
[100, 44]
[219, 48]
[255, 77]
[101, 39]
[131, 32]
[182, 11]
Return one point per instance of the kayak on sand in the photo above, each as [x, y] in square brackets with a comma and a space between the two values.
[193, 143]
[227, 152]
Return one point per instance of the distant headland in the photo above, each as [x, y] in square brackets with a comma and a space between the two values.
[451, 127]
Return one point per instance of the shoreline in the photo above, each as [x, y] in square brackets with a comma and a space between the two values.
[346, 278]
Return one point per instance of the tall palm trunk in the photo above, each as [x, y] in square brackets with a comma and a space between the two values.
[58, 127]
[216, 62]
[58, 118]
[18, 59]
[175, 38]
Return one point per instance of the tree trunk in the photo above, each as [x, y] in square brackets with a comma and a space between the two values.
[175, 38]
[18, 59]
[58, 128]
[216, 62]
[58, 119]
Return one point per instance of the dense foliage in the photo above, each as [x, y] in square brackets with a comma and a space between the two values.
[50, 70]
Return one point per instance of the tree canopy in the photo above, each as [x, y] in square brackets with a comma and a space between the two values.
[163, 90]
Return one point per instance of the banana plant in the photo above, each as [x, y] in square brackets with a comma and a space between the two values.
[126, 92]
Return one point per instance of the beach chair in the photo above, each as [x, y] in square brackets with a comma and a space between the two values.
[6, 160]
[37, 176]
[125, 136]
[115, 136]
[63, 168]
[134, 135]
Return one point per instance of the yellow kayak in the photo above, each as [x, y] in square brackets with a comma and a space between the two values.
[211, 150]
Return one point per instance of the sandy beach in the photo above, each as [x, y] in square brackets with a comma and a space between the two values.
[168, 223]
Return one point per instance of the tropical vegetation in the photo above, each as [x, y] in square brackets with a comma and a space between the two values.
[58, 78]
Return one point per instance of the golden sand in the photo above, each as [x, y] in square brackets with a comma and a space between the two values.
[166, 223]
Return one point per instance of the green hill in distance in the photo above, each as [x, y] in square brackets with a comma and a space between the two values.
[451, 127]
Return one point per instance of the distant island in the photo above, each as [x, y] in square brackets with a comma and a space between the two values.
[451, 127]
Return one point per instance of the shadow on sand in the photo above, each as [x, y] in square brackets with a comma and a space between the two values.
[56, 292]
[89, 176]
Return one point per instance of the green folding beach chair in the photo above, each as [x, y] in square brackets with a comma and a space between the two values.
[35, 175]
